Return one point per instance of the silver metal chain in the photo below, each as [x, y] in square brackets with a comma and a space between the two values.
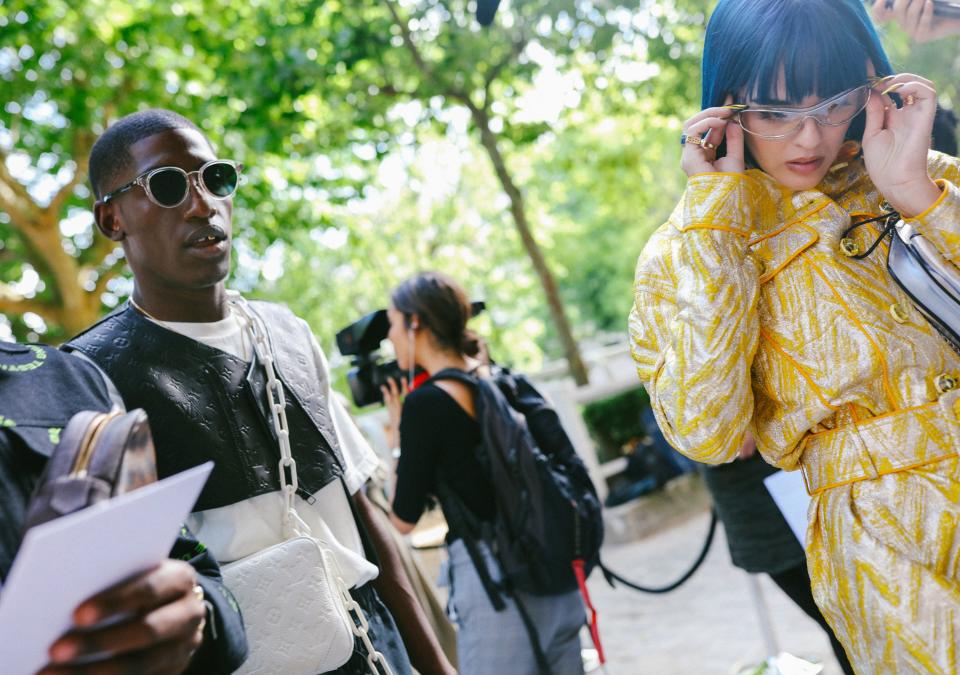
[291, 521]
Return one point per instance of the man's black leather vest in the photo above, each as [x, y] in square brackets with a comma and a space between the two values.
[205, 404]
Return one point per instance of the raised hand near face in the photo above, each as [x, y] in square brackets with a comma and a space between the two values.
[896, 142]
[703, 133]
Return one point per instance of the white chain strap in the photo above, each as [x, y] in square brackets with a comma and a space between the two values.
[291, 521]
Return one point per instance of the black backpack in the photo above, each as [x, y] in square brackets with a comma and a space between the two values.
[547, 511]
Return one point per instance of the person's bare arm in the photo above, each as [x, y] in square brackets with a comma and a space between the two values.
[395, 589]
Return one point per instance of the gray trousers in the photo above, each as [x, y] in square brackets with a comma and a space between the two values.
[489, 641]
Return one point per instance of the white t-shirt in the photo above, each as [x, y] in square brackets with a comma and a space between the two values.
[235, 531]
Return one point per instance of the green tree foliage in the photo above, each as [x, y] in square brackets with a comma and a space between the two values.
[68, 69]
[311, 97]
[433, 212]
[317, 97]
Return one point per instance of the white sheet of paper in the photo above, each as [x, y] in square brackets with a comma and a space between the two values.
[790, 495]
[62, 563]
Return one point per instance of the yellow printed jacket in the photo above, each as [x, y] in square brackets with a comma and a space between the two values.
[748, 316]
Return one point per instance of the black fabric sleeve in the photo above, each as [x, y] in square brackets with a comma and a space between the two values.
[224, 645]
[542, 420]
[420, 439]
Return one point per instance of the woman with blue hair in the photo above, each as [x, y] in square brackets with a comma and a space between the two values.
[757, 310]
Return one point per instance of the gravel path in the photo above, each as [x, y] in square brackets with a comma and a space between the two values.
[709, 625]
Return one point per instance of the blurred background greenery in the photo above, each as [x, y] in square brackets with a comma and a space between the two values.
[530, 159]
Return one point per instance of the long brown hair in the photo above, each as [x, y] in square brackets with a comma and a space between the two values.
[441, 305]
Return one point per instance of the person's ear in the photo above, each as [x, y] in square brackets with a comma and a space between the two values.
[106, 216]
[413, 322]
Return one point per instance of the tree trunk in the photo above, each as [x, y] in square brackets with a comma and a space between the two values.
[572, 351]
[72, 306]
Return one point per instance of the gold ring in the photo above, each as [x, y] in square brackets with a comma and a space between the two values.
[909, 99]
[198, 592]
[694, 140]
[707, 145]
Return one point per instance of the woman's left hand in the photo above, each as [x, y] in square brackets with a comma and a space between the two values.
[393, 394]
[896, 142]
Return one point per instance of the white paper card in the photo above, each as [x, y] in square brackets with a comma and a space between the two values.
[790, 495]
[65, 561]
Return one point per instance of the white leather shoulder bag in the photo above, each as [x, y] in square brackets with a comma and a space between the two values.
[299, 615]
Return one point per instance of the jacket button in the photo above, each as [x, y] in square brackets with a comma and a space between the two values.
[945, 383]
[898, 313]
[849, 247]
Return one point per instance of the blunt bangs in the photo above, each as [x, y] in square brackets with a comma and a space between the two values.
[821, 47]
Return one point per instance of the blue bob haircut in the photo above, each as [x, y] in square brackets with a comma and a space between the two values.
[821, 47]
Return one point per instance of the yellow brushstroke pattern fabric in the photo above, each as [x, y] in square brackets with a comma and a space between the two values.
[748, 316]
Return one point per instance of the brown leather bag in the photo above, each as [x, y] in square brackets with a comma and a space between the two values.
[99, 455]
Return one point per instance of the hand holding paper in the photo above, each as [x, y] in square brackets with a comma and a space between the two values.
[163, 624]
[121, 545]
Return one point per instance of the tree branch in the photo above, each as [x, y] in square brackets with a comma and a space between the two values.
[18, 217]
[100, 249]
[14, 198]
[408, 41]
[418, 58]
[489, 141]
[104, 276]
[390, 90]
[81, 158]
[15, 186]
[12, 302]
[494, 72]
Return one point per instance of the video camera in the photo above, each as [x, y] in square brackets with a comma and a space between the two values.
[361, 341]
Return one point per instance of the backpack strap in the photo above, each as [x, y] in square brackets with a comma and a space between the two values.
[469, 530]
[456, 375]
[542, 665]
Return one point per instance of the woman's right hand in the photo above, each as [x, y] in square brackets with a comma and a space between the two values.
[393, 401]
[702, 158]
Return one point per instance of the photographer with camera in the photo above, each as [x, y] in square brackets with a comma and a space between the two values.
[438, 432]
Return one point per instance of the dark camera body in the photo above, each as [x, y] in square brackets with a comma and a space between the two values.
[367, 376]
[361, 341]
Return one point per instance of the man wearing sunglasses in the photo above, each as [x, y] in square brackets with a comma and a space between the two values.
[182, 348]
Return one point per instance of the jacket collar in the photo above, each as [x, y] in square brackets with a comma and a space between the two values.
[801, 218]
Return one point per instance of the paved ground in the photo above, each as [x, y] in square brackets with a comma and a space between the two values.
[708, 626]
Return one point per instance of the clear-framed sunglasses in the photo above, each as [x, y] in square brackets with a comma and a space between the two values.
[776, 123]
[168, 186]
